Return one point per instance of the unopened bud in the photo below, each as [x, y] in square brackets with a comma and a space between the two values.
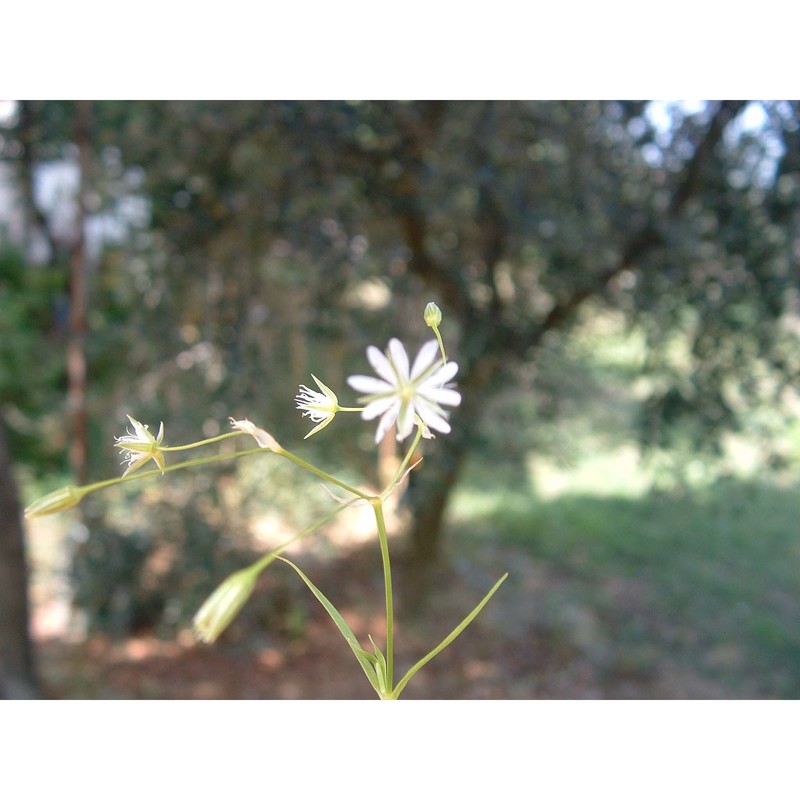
[433, 315]
[54, 502]
[224, 604]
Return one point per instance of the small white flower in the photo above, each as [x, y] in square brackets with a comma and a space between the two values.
[318, 407]
[140, 446]
[400, 393]
[264, 439]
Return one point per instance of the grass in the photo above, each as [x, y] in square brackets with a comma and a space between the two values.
[715, 568]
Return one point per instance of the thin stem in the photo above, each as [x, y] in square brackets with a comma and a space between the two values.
[441, 345]
[400, 471]
[324, 475]
[201, 443]
[266, 560]
[92, 487]
[377, 506]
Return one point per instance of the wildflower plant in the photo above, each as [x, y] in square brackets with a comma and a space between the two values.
[411, 397]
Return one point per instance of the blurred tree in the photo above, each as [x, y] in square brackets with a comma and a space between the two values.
[279, 231]
[18, 679]
[517, 216]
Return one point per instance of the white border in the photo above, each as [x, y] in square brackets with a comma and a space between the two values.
[357, 49]
[632, 749]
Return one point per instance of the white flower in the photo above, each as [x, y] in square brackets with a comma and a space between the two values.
[319, 407]
[264, 439]
[140, 446]
[400, 393]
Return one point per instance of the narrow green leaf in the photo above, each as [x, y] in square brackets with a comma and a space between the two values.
[369, 656]
[447, 640]
[363, 657]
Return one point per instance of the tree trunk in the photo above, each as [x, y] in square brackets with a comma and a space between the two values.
[17, 673]
[76, 346]
[430, 487]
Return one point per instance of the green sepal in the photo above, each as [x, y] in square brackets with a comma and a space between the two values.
[380, 666]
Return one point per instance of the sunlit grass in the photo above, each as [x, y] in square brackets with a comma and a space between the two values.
[717, 563]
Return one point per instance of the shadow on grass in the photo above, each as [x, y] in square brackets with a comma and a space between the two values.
[699, 589]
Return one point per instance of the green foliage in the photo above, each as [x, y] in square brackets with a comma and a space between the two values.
[32, 304]
[279, 230]
[275, 232]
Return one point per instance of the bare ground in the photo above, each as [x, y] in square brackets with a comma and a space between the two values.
[535, 640]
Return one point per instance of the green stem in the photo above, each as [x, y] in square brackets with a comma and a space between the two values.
[324, 475]
[400, 471]
[377, 506]
[201, 443]
[92, 487]
[266, 560]
[441, 344]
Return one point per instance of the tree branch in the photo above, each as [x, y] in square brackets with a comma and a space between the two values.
[640, 243]
[416, 137]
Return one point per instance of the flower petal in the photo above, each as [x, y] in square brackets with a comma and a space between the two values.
[405, 421]
[139, 430]
[386, 422]
[442, 375]
[379, 406]
[449, 397]
[399, 359]
[425, 357]
[432, 416]
[381, 365]
[366, 384]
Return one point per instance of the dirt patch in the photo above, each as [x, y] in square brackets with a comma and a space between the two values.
[536, 639]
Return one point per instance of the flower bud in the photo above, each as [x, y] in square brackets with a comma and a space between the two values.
[224, 604]
[54, 502]
[433, 315]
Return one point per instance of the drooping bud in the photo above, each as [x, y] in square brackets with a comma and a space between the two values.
[224, 604]
[59, 500]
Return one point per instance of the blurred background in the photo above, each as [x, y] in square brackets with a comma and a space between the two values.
[619, 282]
